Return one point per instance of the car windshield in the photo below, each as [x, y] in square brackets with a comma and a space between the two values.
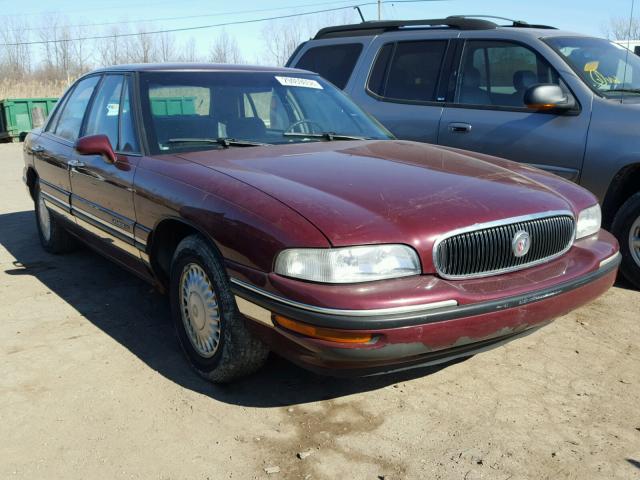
[608, 68]
[186, 111]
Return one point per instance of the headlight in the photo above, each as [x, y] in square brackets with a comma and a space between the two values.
[349, 264]
[588, 221]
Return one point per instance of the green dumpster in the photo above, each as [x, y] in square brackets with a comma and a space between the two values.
[173, 106]
[18, 116]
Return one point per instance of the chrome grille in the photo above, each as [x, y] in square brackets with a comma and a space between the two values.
[487, 250]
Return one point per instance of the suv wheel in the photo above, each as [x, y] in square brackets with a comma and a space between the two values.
[53, 236]
[211, 331]
[626, 227]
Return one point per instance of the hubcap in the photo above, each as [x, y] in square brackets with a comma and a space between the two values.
[199, 309]
[634, 241]
[44, 219]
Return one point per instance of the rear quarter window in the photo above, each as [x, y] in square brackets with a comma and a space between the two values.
[333, 62]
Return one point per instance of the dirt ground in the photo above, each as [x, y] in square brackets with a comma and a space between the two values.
[93, 385]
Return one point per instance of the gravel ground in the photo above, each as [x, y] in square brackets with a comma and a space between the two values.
[92, 385]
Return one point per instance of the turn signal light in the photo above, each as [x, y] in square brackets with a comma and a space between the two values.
[329, 334]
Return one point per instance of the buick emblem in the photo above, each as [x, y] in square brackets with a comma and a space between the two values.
[521, 243]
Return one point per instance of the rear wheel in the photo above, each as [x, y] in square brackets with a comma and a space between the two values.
[626, 227]
[211, 331]
[53, 236]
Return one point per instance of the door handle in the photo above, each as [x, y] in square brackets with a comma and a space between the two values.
[37, 149]
[458, 127]
[73, 164]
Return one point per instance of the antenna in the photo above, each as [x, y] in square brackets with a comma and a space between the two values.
[359, 13]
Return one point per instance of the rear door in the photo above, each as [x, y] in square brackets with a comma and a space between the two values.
[53, 149]
[405, 88]
[488, 114]
[102, 191]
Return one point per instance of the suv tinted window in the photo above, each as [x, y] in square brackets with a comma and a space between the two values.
[499, 73]
[71, 116]
[410, 72]
[335, 62]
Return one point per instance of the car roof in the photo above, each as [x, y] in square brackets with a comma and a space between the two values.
[191, 67]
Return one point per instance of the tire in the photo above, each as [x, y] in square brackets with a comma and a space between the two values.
[53, 236]
[626, 228]
[210, 330]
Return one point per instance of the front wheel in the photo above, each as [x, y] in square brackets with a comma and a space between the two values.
[626, 228]
[211, 331]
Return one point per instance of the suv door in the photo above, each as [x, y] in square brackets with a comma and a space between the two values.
[404, 88]
[488, 114]
[53, 149]
[102, 191]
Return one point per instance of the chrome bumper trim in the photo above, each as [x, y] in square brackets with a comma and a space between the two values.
[352, 313]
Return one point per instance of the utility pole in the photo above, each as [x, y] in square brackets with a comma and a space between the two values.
[379, 10]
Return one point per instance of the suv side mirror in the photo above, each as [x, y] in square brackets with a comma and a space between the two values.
[96, 145]
[548, 96]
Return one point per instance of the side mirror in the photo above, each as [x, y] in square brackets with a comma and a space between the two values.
[548, 96]
[96, 145]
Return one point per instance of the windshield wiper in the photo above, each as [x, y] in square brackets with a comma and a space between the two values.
[329, 136]
[225, 142]
[624, 90]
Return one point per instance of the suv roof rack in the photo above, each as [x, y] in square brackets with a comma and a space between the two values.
[514, 23]
[376, 27]
[460, 22]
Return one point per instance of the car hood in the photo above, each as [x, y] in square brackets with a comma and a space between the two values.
[364, 192]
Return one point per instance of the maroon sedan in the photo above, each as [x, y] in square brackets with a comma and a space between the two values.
[279, 216]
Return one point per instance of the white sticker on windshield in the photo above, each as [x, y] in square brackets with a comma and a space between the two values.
[298, 82]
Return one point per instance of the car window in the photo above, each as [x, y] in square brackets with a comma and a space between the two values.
[334, 62]
[128, 141]
[70, 121]
[410, 72]
[104, 112]
[263, 107]
[499, 73]
[52, 122]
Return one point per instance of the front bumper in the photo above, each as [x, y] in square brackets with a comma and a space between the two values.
[437, 333]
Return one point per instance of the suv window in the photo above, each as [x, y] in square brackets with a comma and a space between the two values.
[499, 73]
[70, 120]
[334, 62]
[409, 71]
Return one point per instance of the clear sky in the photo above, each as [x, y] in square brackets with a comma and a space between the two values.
[585, 16]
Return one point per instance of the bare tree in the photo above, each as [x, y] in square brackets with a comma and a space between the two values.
[15, 59]
[112, 50]
[224, 49]
[80, 50]
[142, 47]
[166, 46]
[282, 38]
[621, 28]
[189, 53]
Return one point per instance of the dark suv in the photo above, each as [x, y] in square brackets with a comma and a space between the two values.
[560, 101]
